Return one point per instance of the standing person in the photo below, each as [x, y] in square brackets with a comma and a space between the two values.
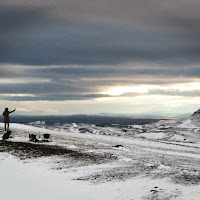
[7, 118]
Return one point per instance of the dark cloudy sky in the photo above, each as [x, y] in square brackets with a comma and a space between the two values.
[109, 56]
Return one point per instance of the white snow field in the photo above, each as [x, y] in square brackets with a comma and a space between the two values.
[137, 162]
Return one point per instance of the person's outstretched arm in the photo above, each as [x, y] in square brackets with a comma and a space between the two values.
[12, 111]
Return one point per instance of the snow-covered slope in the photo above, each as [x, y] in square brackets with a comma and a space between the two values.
[192, 121]
[140, 162]
[186, 131]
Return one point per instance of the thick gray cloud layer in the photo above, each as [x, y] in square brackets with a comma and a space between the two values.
[98, 32]
[95, 45]
[76, 83]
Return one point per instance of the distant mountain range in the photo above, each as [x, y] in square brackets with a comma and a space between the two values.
[86, 119]
[150, 116]
[100, 119]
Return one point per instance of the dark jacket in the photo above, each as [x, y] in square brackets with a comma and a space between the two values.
[6, 116]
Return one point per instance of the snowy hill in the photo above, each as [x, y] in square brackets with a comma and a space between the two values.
[186, 131]
[192, 121]
[141, 162]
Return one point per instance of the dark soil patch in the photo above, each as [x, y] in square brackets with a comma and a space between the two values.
[120, 173]
[187, 179]
[29, 150]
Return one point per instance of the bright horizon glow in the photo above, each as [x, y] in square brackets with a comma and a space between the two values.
[116, 91]
[144, 89]
[187, 86]
[168, 106]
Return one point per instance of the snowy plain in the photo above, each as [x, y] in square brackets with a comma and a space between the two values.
[137, 162]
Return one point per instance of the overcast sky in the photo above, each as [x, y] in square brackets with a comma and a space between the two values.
[110, 56]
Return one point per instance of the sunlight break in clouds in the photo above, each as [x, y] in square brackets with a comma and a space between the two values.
[145, 89]
[116, 91]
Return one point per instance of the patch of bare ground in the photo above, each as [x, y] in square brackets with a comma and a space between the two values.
[26, 150]
[187, 178]
[120, 173]
[157, 193]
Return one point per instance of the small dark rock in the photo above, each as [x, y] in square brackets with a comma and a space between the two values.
[117, 146]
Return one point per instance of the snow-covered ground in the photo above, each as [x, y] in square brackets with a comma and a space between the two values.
[153, 161]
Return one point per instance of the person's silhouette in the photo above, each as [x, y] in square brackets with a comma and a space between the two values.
[7, 118]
